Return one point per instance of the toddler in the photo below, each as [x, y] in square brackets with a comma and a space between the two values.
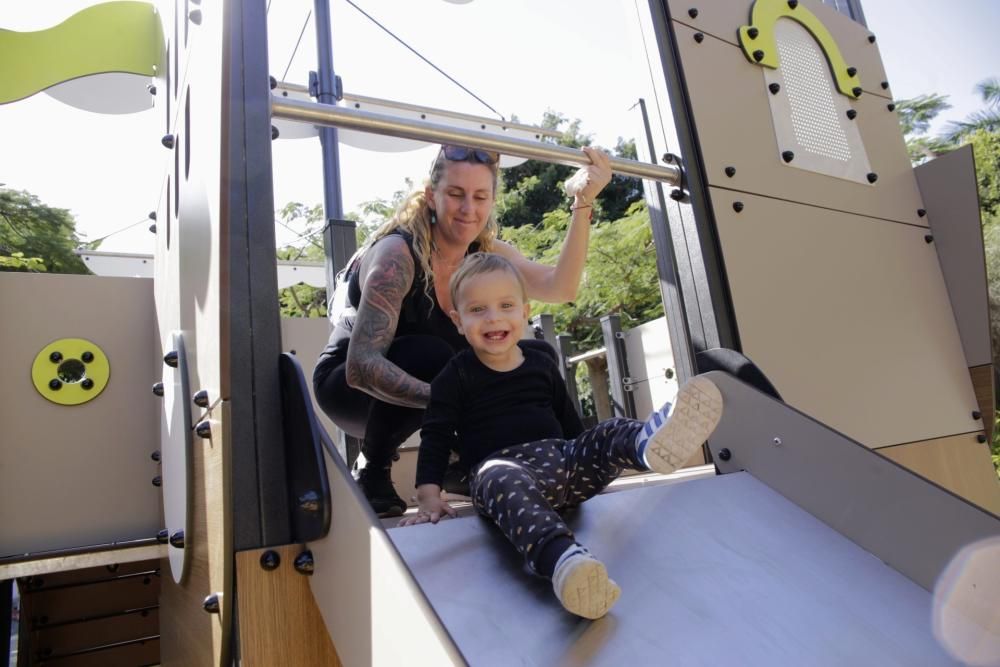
[505, 409]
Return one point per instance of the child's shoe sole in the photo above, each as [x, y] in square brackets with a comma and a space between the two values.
[587, 591]
[696, 412]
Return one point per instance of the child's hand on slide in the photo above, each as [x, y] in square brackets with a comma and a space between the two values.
[431, 508]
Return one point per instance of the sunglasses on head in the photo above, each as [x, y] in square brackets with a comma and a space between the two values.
[465, 154]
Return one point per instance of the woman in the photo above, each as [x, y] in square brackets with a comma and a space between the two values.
[392, 333]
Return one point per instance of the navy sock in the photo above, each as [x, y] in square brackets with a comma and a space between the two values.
[546, 563]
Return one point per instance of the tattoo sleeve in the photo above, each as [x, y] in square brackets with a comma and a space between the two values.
[384, 285]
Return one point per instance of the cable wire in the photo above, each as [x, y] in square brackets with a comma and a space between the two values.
[418, 54]
[299, 41]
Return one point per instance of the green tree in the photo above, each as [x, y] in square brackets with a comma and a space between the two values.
[36, 237]
[987, 119]
[915, 116]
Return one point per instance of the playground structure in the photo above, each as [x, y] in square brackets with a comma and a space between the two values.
[791, 230]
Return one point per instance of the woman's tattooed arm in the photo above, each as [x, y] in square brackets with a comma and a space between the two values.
[386, 277]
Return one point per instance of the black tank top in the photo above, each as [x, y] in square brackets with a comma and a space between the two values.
[419, 314]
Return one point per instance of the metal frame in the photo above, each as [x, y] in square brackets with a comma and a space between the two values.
[619, 382]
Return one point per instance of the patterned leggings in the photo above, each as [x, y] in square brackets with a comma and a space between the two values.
[522, 488]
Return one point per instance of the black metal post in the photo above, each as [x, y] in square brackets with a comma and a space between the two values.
[564, 348]
[619, 381]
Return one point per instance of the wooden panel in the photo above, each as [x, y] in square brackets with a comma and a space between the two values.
[960, 464]
[126, 655]
[190, 635]
[723, 20]
[279, 621]
[848, 317]
[72, 603]
[89, 574]
[73, 637]
[729, 99]
[982, 384]
[57, 490]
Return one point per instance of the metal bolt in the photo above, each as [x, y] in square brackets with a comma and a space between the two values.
[699, 37]
[788, 156]
[270, 560]
[851, 71]
[852, 114]
[928, 238]
[55, 357]
[677, 194]
[921, 212]
[177, 540]
[274, 133]
[151, 89]
[758, 55]
[981, 438]
[890, 106]
[195, 16]
[872, 177]
[309, 502]
[725, 454]
[976, 414]
[752, 32]
[158, 389]
[693, 12]
[203, 429]
[87, 357]
[857, 91]
[777, 442]
[304, 563]
[272, 82]
[669, 158]
[152, 229]
[87, 384]
[211, 603]
[157, 481]
[156, 456]
[171, 359]
[55, 385]
[774, 88]
[168, 141]
[163, 536]
[885, 85]
[730, 171]
[871, 39]
[152, 215]
[792, 4]
[737, 206]
[200, 398]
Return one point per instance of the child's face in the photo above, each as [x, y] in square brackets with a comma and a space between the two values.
[491, 313]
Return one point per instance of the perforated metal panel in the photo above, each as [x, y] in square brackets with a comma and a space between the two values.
[810, 116]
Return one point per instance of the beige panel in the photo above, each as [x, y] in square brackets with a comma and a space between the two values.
[306, 337]
[960, 464]
[723, 20]
[279, 621]
[982, 384]
[371, 605]
[190, 636]
[57, 489]
[848, 317]
[73, 603]
[733, 118]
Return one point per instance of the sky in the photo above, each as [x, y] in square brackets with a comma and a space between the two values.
[523, 57]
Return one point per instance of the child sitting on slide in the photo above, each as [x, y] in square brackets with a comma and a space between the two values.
[505, 409]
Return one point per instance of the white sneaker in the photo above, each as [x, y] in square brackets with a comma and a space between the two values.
[581, 583]
[672, 434]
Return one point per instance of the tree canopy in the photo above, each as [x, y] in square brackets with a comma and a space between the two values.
[36, 237]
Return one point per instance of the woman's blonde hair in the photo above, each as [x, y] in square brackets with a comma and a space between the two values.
[479, 263]
[414, 216]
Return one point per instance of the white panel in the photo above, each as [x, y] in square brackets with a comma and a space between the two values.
[650, 362]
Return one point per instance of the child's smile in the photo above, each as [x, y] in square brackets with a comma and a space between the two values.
[491, 314]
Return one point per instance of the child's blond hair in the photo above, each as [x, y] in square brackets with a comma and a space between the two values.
[477, 264]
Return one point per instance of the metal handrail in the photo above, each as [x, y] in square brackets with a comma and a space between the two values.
[353, 119]
[586, 356]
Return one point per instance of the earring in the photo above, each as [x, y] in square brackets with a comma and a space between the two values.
[434, 218]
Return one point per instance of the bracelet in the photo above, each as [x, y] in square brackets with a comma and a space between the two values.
[577, 208]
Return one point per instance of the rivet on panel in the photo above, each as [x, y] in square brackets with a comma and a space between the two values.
[852, 114]
[857, 91]
[195, 16]
[890, 106]
[156, 456]
[168, 141]
[788, 156]
[272, 82]
[211, 604]
[758, 55]
[737, 206]
[872, 177]
[171, 359]
[725, 454]
[752, 32]
[152, 215]
[163, 536]
[976, 414]
[87, 357]
[921, 212]
[87, 384]
[871, 39]
[55, 357]
[177, 540]
[151, 89]
[774, 88]
[699, 37]
[274, 133]
[693, 12]
[677, 194]
[157, 481]
[152, 229]
[981, 438]
[730, 171]
[304, 563]
[200, 398]
[928, 238]
[55, 385]
[792, 4]
[885, 85]
[851, 71]
[270, 560]
[158, 389]
[203, 429]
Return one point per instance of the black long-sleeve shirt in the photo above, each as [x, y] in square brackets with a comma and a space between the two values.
[478, 411]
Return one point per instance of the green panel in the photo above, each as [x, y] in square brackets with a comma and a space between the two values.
[759, 44]
[121, 36]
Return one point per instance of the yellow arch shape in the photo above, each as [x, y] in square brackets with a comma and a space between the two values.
[124, 36]
[761, 48]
